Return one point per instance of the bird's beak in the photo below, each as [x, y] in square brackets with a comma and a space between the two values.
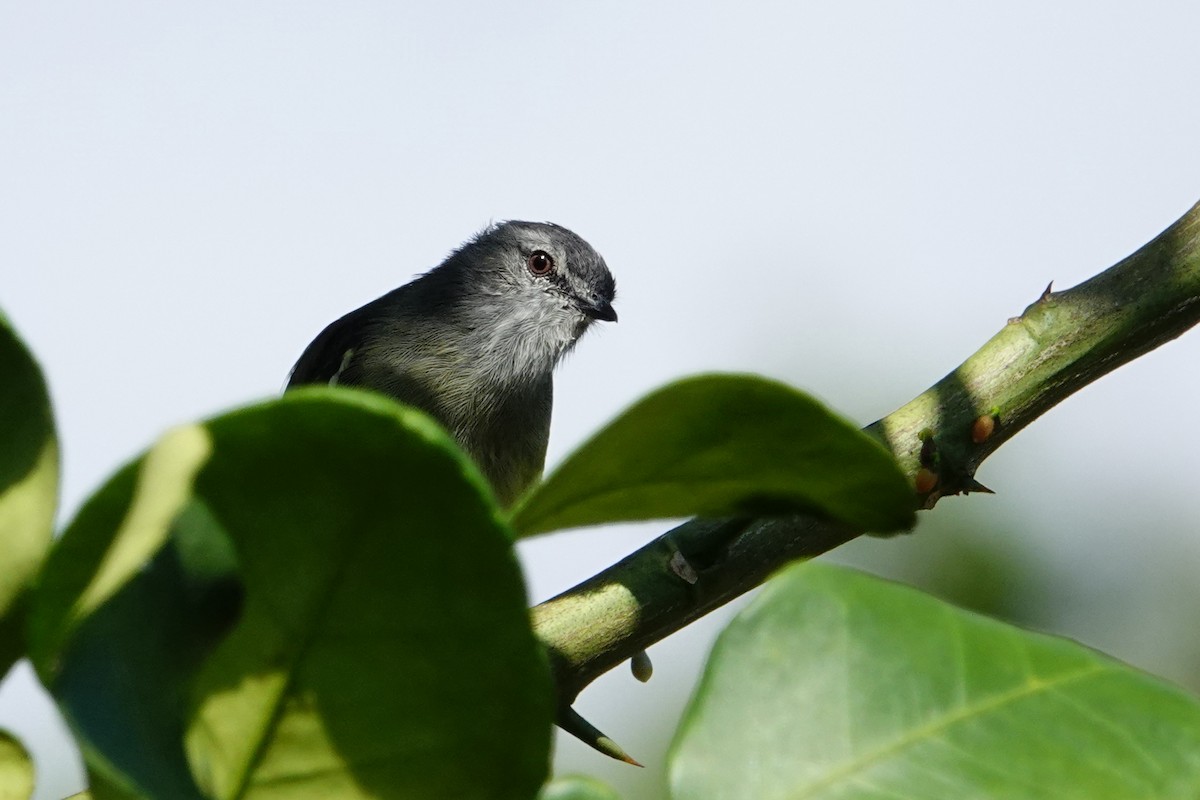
[597, 308]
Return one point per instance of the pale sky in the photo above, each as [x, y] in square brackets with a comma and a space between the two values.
[850, 197]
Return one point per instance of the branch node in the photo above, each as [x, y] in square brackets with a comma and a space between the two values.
[682, 569]
[1046, 296]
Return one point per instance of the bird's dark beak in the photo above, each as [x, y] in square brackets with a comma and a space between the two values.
[597, 308]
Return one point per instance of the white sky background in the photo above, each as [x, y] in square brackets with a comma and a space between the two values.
[851, 197]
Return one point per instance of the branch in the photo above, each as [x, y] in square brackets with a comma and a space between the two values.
[1062, 342]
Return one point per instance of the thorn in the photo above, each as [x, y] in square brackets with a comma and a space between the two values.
[570, 721]
[640, 666]
[972, 485]
[1045, 297]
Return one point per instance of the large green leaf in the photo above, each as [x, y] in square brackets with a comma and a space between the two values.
[834, 684]
[127, 523]
[28, 485]
[380, 642]
[723, 445]
[140, 587]
[16, 770]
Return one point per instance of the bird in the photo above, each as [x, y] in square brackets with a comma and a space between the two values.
[474, 342]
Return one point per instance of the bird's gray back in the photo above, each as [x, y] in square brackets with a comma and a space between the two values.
[403, 347]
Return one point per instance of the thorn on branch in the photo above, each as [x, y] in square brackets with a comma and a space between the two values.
[1046, 296]
[972, 485]
[939, 477]
[571, 722]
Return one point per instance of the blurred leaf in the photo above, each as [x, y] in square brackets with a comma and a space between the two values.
[16, 770]
[836, 684]
[969, 555]
[380, 644]
[28, 485]
[723, 445]
[101, 789]
[578, 787]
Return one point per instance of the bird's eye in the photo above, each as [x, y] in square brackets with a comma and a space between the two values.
[540, 263]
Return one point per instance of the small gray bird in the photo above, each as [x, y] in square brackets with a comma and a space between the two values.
[473, 342]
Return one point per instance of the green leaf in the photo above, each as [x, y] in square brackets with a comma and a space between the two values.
[16, 770]
[723, 445]
[385, 649]
[322, 600]
[137, 591]
[578, 787]
[28, 485]
[163, 490]
[99, 788]
[835, 684]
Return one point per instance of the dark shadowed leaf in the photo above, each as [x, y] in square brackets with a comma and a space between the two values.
[835, 684]
[723, 445]
[28, 485]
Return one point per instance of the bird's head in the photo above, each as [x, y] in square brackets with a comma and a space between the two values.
[532, 289]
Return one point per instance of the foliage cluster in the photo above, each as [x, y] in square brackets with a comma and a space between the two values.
[317, 597]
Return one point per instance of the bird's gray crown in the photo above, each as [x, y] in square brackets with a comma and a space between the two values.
[519, 294]
[579, 272]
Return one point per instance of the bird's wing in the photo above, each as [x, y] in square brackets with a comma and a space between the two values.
[328, 356]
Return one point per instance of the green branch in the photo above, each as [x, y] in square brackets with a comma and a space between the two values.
[1062, 342]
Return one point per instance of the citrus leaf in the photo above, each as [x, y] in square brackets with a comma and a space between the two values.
[717, 446]
[131, 599]
[28, 485]
[385, 648]
[835, 684]
[16, 770]
[336, 612]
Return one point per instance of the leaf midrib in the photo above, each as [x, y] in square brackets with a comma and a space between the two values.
[929, 729]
